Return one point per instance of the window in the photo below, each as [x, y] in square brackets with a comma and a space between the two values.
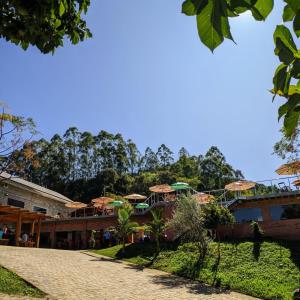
[40, 209]
[16, 203]
[285, 212]
[243, 215]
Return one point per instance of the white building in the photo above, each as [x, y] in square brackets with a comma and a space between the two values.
[15, 191]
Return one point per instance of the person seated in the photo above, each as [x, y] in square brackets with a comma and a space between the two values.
[25, 237]
[1, 234]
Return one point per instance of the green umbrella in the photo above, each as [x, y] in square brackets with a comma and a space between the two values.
[116, 203]
[180, 186]
[142, 205]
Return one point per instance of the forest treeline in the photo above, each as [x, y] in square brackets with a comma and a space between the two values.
[83, 166]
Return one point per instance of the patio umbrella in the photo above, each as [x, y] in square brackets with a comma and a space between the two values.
[296, 182]
[203, 198]
[161, 189]
[289, 168]
[116, 203]
[241, 185]
[101, 201]
[180, 186]
[135, 197]
[75, 205]
[142, 205]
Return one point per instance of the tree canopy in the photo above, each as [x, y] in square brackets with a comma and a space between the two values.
[43, 24]
[84, 166]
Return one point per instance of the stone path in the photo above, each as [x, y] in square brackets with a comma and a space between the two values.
[68, 275]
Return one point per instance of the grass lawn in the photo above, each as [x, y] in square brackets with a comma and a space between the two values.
[11, 283]
[267, 270]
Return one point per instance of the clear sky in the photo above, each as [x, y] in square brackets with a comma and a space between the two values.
[146, 75]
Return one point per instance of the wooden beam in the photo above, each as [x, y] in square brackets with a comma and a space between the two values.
[32, 228]
[38, 233]
[18, 229]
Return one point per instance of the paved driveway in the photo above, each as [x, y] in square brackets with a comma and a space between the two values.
[69, 275]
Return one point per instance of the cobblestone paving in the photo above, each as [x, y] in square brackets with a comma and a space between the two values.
[68, 275]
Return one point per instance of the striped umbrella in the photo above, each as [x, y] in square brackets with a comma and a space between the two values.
[241, 185]
[289, 168]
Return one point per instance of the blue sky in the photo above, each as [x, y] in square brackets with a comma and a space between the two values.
[146, 75]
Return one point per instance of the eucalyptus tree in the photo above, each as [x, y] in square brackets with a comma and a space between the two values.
[149, 161]
[164, 155]
[215, 172]
[105, 145]
[133, 155]
[71, 142]
[86, 148]
[57, 164]
[120, 154]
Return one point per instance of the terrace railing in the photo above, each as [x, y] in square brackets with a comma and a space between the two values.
[274, 186]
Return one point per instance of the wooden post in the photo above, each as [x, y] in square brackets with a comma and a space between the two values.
[38, 233]
[18, 229]
[32, 228]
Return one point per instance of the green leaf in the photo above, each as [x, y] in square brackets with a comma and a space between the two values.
[295, 71]
[61, 8]
[189, 8]
[283, 109]
[285, 46]
[296, 24]
[288, 14]
[294, 4]
[290, 123]
[293, 89]
[213, 24]
[291, 110]
[283, 33]
[285, 55]
[262, 9]
[281, 80]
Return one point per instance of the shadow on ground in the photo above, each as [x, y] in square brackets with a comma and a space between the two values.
[172, 281]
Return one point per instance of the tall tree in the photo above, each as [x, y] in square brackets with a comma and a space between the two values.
[215, 172]
[71, 141]
[133, 155]
[120, 154]
[164, 155]
[149, 161]
[86, 150]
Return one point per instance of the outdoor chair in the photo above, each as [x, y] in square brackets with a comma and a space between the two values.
[283, 187]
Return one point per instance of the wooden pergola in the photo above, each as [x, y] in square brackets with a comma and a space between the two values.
[19, 216]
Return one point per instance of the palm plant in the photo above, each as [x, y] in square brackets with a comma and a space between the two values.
[157, 226]
[125, 226]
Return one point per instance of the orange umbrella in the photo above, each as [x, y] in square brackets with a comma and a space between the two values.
[296, 182]
[102, 200]
[203, 198]
[289, 168]
[135, 197]
[161, 189]
[76, 205]
[241, 185]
